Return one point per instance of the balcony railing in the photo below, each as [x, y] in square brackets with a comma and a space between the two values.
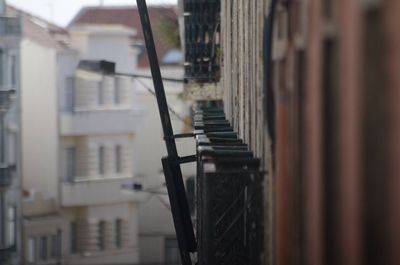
[10, 26]
[6, 175]
[6, 97]
[202, 30]
[101, 121]
[229, 185]
[229, 194]
[6, 253]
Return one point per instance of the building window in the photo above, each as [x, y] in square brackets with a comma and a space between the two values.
[43, 248]
[2, 220]
[118, 233]
[73, 238]
[117, 92]
[69, 94]
[102, 235]
[70, 163]
[172, 252]
[54, 247]
[100, 94]
[327, 6]
[118, 157]
[31, 250]
[12, 217]
[101, 161]
[12, 147]
[13, 69]
[1, 67]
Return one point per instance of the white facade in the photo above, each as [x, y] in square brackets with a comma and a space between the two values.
[106, 42]
[157, 233]
[79, 138]
[40, 118]
[97, 159]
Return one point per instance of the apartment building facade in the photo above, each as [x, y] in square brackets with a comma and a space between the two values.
[10, 190]
[313, 88]
[157, 238]
[83, 123]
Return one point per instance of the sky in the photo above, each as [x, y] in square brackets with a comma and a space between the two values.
[62, 11]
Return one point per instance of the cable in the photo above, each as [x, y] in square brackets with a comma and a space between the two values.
[168, 79]
[173, 112]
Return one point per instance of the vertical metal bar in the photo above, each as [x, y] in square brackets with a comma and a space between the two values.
[172, 170]
[170, 179]
[157, 80]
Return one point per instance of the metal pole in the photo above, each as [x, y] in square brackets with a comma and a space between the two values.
[171, 164]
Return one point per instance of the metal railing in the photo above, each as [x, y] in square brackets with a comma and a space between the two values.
[202, 30]
[229, 186]
[6, 98]
[6, 175]
[229, 194]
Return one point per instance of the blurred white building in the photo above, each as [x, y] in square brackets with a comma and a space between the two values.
[157, 239]
[79, 138]
[10, 190]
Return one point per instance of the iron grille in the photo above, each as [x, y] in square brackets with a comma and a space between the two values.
[229, 194]
[6, 175]
[202, 30]
[10, 26]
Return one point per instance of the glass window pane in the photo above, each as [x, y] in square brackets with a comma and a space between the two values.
[100, 93]
[70, 163]
[31, 251]
[43, 248]
[117, 93]
[102, 234]
[101, 161]
[73, 238]
[1, 67]
[11, 225]
[13, 77]
[118, 164]
[69, 94]
[53, 247]
[118, 233]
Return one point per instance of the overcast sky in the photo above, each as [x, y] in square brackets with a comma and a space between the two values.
[62, 11]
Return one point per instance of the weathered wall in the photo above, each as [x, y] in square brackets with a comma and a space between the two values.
[242, 32]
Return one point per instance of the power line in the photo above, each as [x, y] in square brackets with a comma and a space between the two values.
[173, 112]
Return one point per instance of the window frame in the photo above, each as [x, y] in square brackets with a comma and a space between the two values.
[101, 161]
[73, 247]
[118, 233]
[102, 235]
[43, 248]
[70, 163]
[118, 159]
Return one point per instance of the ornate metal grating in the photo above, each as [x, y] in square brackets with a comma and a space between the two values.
[229, 196]
[202, 34]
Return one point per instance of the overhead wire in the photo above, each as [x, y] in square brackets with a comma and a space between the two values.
[171, 110]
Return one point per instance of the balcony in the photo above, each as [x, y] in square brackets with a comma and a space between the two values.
[229, 189]
[202, 41]
[6, 253]
[10, 26]
[96, 191]
[6, 175]
[6, 99]
[113, 121]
